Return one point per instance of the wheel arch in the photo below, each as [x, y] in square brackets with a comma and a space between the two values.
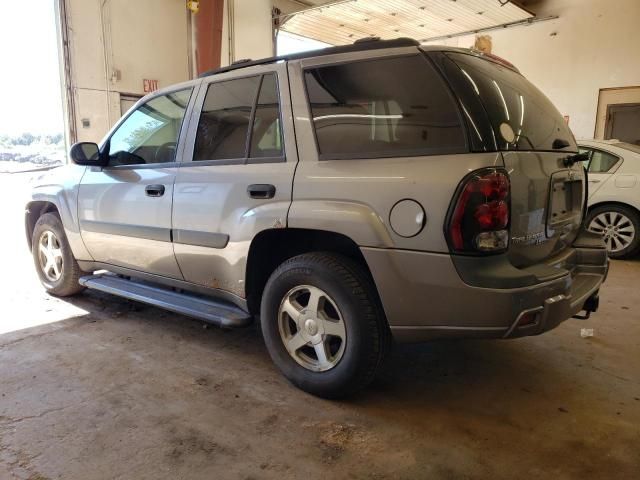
[270, 248]
[33, 212]
[615, 203]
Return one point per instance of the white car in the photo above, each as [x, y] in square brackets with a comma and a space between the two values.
[614, 194]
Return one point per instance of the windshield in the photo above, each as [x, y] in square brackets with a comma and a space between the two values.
[522, 117]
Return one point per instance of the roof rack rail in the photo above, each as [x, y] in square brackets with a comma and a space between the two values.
[370, 43]
[242, 60]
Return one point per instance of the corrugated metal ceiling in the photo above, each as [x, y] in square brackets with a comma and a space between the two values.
[343, 22]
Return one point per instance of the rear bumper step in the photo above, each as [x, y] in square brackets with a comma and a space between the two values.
[208, 310]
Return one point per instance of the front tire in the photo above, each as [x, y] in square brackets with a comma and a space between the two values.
[56, 266]
[620, 228]
[323, 324]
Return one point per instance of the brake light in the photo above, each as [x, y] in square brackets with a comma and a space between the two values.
[480, 217]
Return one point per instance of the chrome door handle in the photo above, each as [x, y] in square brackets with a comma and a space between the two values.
[154, 190]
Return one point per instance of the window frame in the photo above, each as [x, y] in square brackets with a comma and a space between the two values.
[246, 159]
[105, 144]
[592, 149]
[380, 155]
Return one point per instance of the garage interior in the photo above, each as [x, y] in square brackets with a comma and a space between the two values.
[98, 387]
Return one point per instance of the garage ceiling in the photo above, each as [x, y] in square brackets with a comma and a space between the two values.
[345, 21]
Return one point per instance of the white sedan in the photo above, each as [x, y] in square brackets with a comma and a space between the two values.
[614, 194]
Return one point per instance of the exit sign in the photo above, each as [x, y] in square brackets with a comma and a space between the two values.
[149, 85]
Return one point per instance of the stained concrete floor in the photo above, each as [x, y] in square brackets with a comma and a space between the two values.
[96, 387]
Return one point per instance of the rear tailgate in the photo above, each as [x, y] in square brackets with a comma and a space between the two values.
[547, 193]
[547, 201]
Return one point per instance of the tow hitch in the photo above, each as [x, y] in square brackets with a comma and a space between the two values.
[591, 305]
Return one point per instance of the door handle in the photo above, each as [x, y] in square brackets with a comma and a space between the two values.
[261, 190]
[154, 190]
[595, 181]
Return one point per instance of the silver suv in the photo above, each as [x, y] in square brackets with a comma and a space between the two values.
[344, 197]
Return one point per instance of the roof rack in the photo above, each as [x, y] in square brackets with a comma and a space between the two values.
[367, 43]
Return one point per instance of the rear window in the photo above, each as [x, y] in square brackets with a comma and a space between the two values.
[522, 117]
[380, 108]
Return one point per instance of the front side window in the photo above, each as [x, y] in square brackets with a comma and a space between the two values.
[382, 108]
[150, 134]
[225, 119]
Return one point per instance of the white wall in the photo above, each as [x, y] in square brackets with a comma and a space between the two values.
[594, 44]
[251, 35]
[114, 47]
[115, 44]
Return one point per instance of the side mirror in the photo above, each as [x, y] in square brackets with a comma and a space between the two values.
[86, 153]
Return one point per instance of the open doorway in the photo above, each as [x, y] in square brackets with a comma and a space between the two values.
[619, 114]
[31, 124]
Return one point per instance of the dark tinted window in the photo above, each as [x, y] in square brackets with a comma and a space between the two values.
[150, 133]
[384, 107]
[224, 121]
[533, 123]
[266, 138]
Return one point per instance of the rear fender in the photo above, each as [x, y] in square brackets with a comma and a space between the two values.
[354, 220]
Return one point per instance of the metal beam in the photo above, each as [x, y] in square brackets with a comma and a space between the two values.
[519, 23]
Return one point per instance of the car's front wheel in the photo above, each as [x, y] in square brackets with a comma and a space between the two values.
[56, 266]
[620, 228]
[323, 324]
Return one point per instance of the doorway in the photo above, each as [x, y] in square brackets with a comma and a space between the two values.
[623, 122]
[128, 101]
[619, 114]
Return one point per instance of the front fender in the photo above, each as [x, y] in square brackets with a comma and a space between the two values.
[58, 189]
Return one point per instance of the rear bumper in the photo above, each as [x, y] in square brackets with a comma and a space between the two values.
[425, 298]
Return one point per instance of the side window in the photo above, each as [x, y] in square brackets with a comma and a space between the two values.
[150, 134]
[380, 108]
[602, 162]
[266, 138]
[225, 119]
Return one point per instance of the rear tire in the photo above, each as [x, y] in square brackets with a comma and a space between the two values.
[620, 227]
[323, 324]
[54, 261]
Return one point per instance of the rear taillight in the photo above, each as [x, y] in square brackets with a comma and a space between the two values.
[479, 219]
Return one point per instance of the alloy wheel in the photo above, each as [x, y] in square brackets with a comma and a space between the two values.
[312, 328]
[616, 228]
[50, 256]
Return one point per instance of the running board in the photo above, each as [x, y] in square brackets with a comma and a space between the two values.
[208, 310]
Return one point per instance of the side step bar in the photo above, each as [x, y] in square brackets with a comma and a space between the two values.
[209, 310]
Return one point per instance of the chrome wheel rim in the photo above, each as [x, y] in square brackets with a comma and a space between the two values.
[312, 328]
[50, 256]
[616, 228]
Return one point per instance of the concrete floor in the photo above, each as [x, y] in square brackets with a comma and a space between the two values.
[95, 387]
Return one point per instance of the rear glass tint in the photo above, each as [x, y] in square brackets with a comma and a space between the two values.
[381, 108]
[522, 117]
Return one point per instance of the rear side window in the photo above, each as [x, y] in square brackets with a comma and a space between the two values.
[522, 117]
[601, 162]
[266, 138]
[383, 108]
[236, 112]
[224, 121]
